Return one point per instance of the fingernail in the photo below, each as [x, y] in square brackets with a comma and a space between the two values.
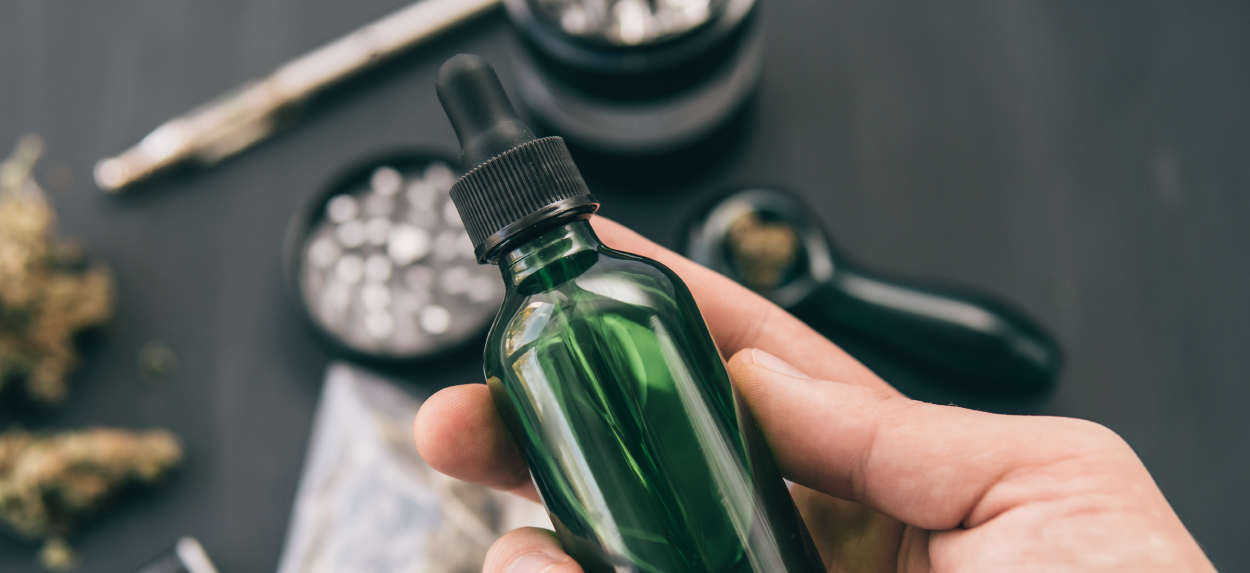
[533, 563]
[761, 358]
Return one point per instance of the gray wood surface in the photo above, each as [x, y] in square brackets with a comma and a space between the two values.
[1089, 161]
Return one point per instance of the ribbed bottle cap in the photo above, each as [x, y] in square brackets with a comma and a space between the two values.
[517, 184]
[509, 197]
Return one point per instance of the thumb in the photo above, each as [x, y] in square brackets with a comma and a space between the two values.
[934, 467]
[529, 550]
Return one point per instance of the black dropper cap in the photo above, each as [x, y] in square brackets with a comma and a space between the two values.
[518, 185]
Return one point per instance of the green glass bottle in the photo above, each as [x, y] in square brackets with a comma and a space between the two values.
[604, 371]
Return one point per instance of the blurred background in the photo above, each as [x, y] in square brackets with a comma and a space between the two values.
[1089, 162]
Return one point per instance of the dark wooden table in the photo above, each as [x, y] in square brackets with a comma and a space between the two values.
[1089, 161]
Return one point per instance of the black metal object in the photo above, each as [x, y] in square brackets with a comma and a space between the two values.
[969, 335]
[644, 99]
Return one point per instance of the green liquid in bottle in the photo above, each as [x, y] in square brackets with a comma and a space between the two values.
[618, 399]
[604, 372]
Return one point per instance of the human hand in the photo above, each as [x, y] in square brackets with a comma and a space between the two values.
[886, 483]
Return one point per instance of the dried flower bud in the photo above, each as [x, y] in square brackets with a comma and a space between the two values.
[49, 483]
[45, 295]
[763, 250]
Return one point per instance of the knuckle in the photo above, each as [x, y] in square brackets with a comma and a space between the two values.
[1095, 437]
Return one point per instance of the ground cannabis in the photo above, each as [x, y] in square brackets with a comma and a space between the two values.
[763, 251]
[47, 294]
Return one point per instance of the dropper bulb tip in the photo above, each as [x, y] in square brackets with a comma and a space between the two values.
[480, 112]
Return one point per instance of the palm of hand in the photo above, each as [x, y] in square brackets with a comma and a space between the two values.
[1051, 535]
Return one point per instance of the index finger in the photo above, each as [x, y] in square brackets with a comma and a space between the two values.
[738, 318]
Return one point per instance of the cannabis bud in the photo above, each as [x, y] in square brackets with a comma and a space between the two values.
[763, 250]
[46, 293]
[49, 483]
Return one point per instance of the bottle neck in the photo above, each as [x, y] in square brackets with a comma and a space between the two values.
[554, 248]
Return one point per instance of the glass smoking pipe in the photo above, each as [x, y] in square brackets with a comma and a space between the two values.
[770, 242]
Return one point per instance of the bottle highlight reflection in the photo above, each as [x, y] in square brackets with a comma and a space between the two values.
[611, 385]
